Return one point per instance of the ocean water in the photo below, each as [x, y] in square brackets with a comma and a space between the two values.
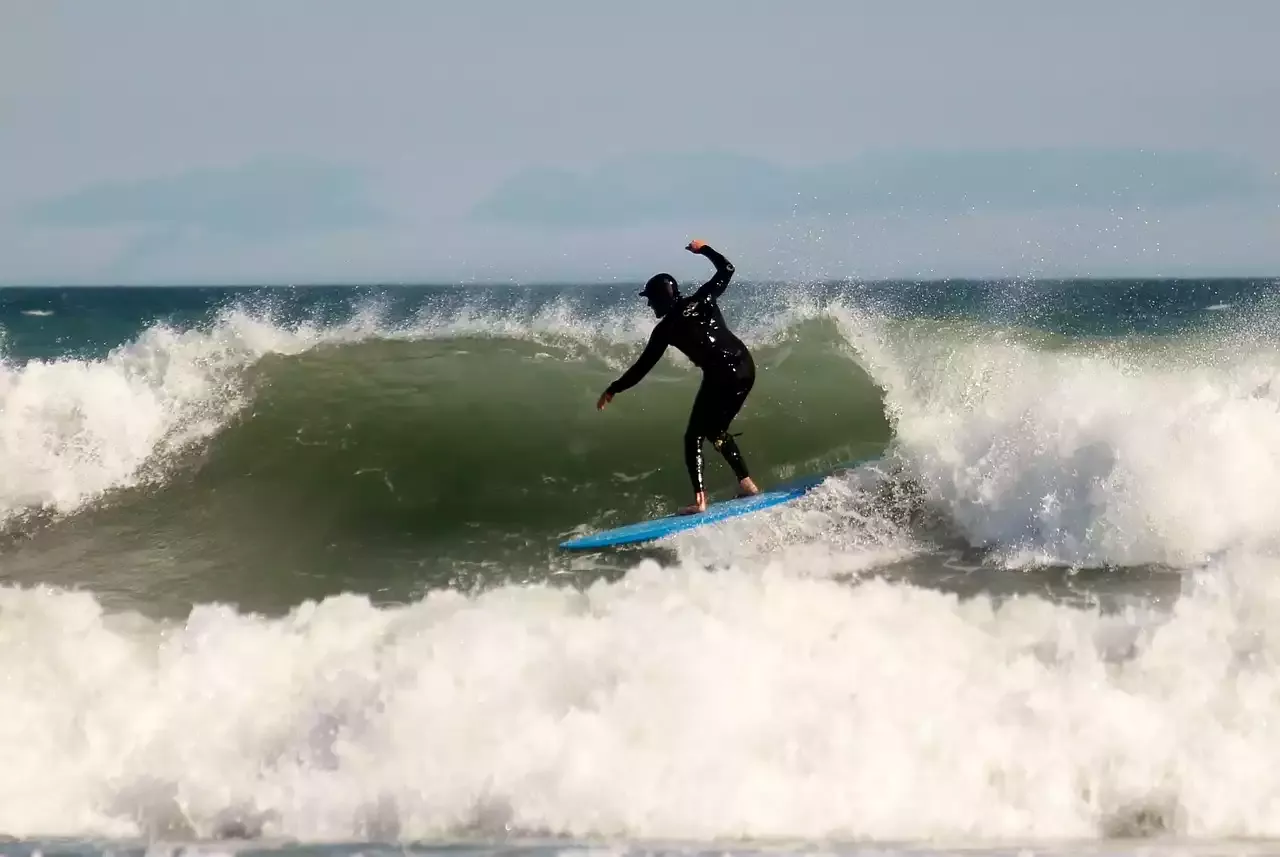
[279, 573]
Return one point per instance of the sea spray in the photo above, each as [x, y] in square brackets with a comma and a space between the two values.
[1084, 455]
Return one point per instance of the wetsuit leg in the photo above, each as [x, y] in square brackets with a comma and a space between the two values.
[722, 440]
[718, 401]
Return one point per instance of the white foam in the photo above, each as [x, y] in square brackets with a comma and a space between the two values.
[72, 429]
[675, 703]
[840, 529]
[1085, 456]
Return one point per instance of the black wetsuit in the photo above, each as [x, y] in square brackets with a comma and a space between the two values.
[695, 326]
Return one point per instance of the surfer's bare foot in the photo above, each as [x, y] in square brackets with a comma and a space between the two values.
[746, 488]
[698, 505]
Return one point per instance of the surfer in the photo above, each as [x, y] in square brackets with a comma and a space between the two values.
[695, 326]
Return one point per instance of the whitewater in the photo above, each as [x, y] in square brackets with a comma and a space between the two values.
[275, 575]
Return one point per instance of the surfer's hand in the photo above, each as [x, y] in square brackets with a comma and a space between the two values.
[605, 398]
[695, 246]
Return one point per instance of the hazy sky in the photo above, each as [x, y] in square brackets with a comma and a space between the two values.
[307, 140]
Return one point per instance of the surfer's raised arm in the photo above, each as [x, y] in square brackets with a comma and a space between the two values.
[646, 361]
[715, 286]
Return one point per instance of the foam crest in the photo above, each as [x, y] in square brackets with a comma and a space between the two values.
[1087, 456]
[558, 320]
[581, 329]
[676, 703]
[71, 429]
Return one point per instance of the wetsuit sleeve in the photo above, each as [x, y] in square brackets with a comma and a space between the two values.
[646, 361]
[715, 286]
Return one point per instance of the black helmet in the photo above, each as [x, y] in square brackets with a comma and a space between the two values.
[661, 286]
[662, 292]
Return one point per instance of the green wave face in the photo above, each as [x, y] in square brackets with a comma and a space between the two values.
[448, 461]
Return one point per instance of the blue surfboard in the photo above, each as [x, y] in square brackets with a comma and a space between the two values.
[656, 528]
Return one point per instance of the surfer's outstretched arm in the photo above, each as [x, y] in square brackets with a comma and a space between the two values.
[646, 361]
[715, 286]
